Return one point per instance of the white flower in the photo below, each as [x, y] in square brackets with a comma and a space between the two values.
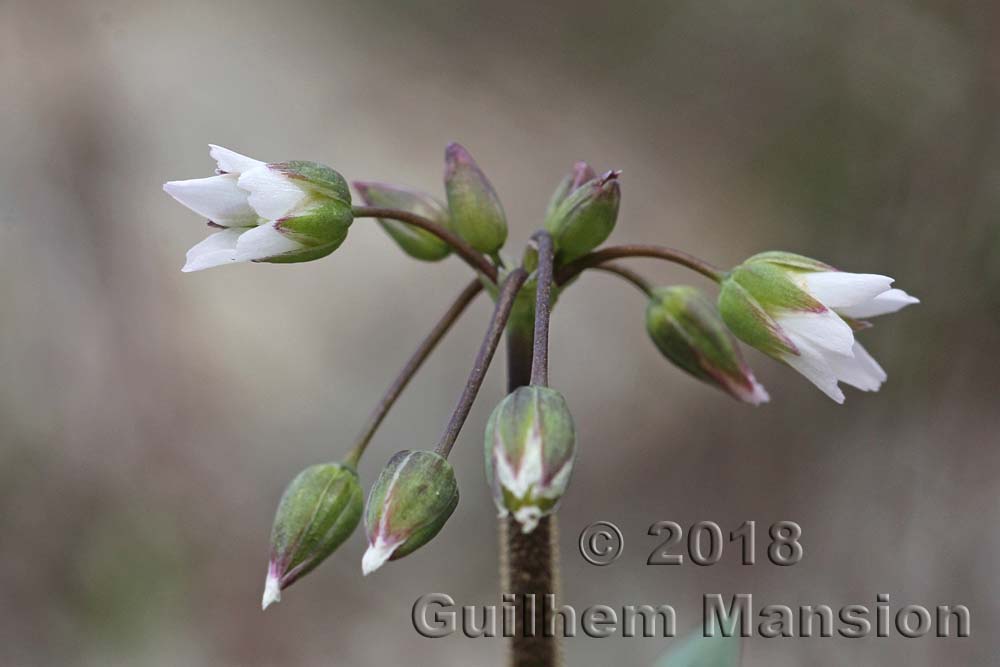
[258, 206]
[801, 312]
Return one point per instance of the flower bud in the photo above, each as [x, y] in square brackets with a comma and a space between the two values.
[280, 213]
[476, 213]
[410, 501]
[585, 218]
[318, 511]
[687, 329]
[530, 445]
[582, 172]
[415, 242]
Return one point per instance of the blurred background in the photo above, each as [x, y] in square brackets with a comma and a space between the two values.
[149, 420]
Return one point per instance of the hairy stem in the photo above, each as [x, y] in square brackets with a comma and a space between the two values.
[629, 275]
[505, 301]
[543, 305]
[474, 259]
[569, 271]
[529, 563]
[414, 363]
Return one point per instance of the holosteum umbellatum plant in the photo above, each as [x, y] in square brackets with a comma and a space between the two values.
[798, 310]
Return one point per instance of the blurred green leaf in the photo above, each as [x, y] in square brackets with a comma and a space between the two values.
[697, 650]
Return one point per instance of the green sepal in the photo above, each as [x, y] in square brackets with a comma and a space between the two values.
[750, 322]
[790, 260]
[317, 177]
[411, 500]
[319, 509]
[581, 173]
[321, 228]
[772, 287]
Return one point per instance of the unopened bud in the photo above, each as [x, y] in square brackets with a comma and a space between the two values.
[410, 501]
[585, 218]
[476, 213]
[687, 329]
[415, 242]
[530, 445]
[318, 511]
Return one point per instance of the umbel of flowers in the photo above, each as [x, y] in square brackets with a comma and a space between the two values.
[802, 312]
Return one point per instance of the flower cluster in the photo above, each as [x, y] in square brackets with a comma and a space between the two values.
[800, 311]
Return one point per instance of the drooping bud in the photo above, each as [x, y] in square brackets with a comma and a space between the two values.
[585, 218]
[415, 242]
[476, 213]
[687, 329]
[530, 446]
[581, 173]
[318, 511]
[410, 501]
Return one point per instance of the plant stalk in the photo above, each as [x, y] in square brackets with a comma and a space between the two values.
[569, 271]
[473, 258]
[543, 305]
[529, 563]
[414, 363]
[628, 275]
[505, 301]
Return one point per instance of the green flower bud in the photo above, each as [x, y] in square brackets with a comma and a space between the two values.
[415, 242]
[318, 511]
[585, 218]
[530, 445]
[582, 172]
[409, 503]
[476, 213]
[687, 329]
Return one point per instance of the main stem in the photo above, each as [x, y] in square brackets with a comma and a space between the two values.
[529, 563]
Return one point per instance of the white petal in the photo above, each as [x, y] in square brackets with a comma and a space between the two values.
[217, 198]
[264, 242]
[232, 162]
[886, 302]
[272, 590]
[824, 330]
[811, 363]
[528, 476]
[272, 194]
[861, 370]
[216, 250]
[528, 516]
[377, 554]
[839, 289]
[757, 394]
